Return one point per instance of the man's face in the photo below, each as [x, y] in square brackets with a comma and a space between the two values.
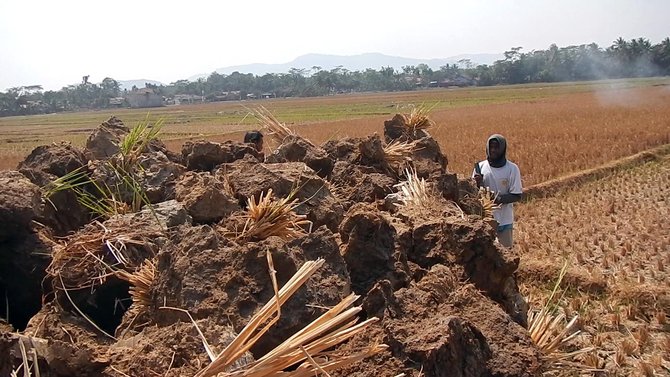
[494, 149]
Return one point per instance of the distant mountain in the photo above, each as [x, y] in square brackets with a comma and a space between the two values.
[140, 83]
[352, 63]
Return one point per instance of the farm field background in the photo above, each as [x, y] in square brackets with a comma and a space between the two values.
[614, 238]
[611, 234]
[552, 129]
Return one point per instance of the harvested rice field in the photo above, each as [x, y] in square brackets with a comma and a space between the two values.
[614, 236]
[553, 129]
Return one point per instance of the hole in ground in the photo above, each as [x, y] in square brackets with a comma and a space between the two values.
[19, 304]
[22, 265]
[105, 306]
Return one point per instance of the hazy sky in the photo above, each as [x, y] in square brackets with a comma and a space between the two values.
[55, 42]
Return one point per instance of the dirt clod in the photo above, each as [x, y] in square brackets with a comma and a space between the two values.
[62, 212]
[206, 155]
[205, 197]
[202, 278]
[345, 149]
[20, 203]
[57, 159]
[369, 247]
[249, 179]
[104, 142]
[356, 183]
[298, 149]
[158, 176]
[398, 129]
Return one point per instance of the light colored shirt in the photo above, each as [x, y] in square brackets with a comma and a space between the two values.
[502, 181]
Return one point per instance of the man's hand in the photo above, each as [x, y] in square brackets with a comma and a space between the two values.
[479, 179]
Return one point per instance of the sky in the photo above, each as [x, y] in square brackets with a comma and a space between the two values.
[54, 43]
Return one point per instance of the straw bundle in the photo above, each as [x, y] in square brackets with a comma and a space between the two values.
[549, 335]
[84, 260]
[275, 128]
[305, 352]
[140, 284]
[273, 217]
[397, 154]
[486, 198]
[413, 191]
[418, 119]
[547, 331]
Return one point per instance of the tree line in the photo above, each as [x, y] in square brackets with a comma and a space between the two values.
[622, 59]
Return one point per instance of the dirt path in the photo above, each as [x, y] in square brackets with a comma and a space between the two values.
[567, 182]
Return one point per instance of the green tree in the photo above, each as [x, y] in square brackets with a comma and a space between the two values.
[109, 88]
[661, 56]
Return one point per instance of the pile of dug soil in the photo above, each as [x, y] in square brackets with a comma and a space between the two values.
[443, 289]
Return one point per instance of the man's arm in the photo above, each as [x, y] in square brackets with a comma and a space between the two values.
[515, 189]
[507, 198]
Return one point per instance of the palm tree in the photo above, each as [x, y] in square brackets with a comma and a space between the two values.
[661, 56]
[620, 54]
[620, 44]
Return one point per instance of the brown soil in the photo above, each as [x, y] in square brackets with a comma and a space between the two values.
[443, 328]
[104, 141]
[20, 203]
[397, 129]
[427, 159]
[356, 184]
[62, 212]
[372, 249]
[56, 159]
[248, 178]
[205, 197]
[206, 155]
[158, 176]
[298, 149]
[445, 292]
[202, 279]
[342, 149]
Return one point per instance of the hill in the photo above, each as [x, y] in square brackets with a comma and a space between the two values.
[350, 62]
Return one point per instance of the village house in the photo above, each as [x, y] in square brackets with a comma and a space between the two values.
[183, 99]
[144, 97]
[117, 102]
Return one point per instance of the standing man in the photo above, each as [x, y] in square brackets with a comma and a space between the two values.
[503, 178]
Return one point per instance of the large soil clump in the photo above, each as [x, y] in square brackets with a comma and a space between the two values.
[135, 290]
